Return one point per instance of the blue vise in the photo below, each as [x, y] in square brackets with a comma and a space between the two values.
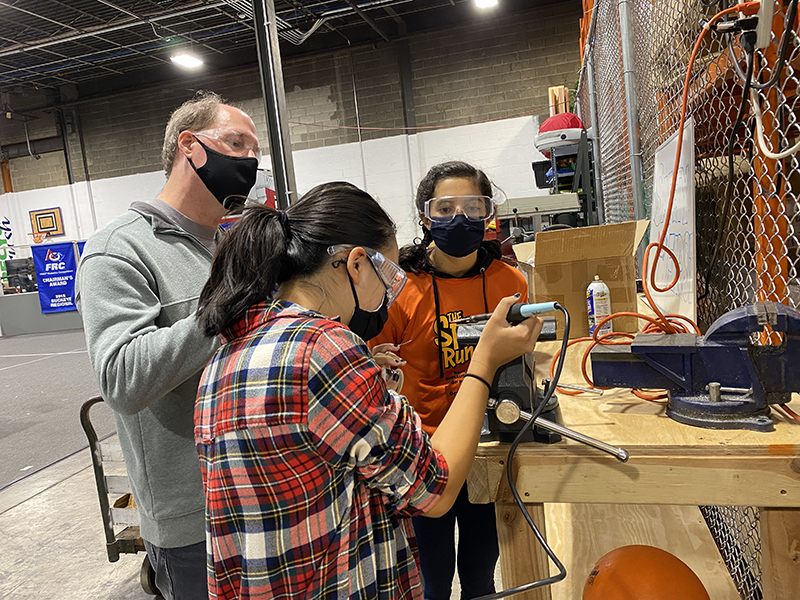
[721, 380]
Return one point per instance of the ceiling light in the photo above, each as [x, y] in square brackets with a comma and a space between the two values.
[186, 60]
[485, 3]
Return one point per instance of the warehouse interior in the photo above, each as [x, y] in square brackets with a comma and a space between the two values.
[676, 184]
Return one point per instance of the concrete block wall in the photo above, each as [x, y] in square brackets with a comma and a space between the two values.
[495, 69]
[28, 173]
[499, 68]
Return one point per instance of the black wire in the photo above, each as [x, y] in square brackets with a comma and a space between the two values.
[787, 35]
[729, 187]
[562, 572]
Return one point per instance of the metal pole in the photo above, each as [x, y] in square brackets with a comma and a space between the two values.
[631, 104]
[87, 177]
[269, 62]
[598, 188]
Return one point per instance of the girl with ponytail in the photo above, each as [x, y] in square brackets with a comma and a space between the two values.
[312, 467]
[452, 273]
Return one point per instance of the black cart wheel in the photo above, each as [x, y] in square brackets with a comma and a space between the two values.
[147, 577]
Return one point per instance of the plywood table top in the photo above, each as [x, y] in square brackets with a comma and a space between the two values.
[671, 463]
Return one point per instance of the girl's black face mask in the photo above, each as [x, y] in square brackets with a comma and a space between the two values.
[228, 178]
[364, 323]
[459, 237]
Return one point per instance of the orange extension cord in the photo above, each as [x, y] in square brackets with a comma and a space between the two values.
[661, 323]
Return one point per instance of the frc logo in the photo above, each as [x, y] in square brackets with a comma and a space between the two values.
[54, 261]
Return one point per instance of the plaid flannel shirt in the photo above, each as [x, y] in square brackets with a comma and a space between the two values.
[311, 467]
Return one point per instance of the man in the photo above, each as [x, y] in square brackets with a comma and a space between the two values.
[138, 285]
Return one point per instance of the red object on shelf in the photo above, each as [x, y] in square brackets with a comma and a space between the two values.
[560, 121]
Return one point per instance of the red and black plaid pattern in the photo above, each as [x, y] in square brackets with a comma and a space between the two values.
[311, 467]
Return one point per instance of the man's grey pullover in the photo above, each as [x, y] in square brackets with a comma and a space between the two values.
[138, 285]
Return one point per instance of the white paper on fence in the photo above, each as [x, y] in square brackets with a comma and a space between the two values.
[682, 298]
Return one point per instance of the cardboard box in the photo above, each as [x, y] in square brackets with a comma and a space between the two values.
[561, 264]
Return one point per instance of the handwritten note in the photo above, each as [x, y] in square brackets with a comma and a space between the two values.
[682, 298]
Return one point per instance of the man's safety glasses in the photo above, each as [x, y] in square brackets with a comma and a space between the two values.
[237, 142]
[445, 208]
[391, 275]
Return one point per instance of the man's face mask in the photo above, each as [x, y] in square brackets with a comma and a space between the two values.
[228, 178]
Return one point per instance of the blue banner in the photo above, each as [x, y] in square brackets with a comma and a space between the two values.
[55, 275]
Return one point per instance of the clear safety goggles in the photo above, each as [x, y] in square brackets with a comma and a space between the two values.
[391, 275]
[445, 208]
[236, 141]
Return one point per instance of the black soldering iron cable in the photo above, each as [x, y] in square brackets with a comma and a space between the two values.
[562, 572]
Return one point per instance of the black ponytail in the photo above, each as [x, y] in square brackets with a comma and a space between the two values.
[413, 257]
[266, 248]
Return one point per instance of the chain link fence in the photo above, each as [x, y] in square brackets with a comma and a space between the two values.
[615, 156]
[747, 213]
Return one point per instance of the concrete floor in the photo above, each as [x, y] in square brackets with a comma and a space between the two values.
[53, 545]
[44, 379]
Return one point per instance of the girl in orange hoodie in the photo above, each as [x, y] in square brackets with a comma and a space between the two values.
[452, 273]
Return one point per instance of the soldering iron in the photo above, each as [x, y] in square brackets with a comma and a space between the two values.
[516, 314]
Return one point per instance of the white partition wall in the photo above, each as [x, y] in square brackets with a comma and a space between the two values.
[389, 168]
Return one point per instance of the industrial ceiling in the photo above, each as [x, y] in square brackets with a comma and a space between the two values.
[99, 46]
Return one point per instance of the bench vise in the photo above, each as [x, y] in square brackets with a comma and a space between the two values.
[721, 380]
[515, 382]
[514, 396]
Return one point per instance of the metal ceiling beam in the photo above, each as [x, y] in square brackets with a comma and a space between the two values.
[42, 17]
[20, 79]
[96, 18]
[402, 29]
[149, 22]
[61, 56]
[367, 19]
[103, 29]
[42, 31]
[87, 55]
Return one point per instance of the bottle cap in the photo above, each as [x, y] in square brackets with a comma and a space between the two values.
[597, 277]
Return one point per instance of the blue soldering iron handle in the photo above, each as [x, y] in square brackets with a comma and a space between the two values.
[520, 312]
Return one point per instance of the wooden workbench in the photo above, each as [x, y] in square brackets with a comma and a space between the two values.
[593, 503]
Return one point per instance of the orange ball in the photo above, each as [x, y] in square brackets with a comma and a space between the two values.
[642, 573]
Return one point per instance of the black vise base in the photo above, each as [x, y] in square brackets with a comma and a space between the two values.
[730, 412]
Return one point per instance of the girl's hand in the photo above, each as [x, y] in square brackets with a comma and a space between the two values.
[502, 342]
[384, 355]
[394, 379]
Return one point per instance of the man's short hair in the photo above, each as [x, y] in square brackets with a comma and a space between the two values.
[196, 114]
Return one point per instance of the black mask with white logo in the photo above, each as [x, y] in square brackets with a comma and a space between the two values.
[367, 324]
[228, 178]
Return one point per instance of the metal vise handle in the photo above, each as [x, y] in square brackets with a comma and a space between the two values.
[619, 453]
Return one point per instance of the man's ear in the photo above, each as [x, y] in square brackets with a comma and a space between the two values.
[186, 143]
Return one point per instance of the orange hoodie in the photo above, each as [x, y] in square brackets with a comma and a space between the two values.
[422, 314]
